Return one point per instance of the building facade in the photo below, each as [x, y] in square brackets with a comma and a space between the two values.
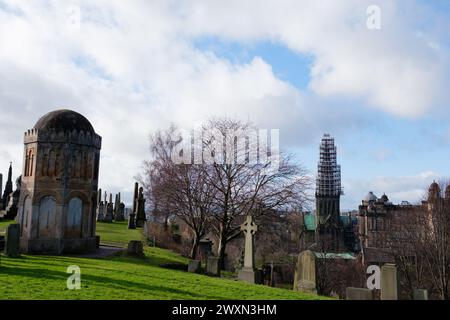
[59, 185]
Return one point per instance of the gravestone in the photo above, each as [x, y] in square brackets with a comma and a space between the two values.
[194, 266]
[13, 202]
[259, 276]
[109, 210]
[100, 211]
[132, 221]
[135, 249]
[205, 249]
[119, 209]
[212, 266]
[420, 294]
[12, 240]
[389, 282]
[140, 213]
[121, 212]
[358, 294]
[247, 273]
[306, 272]
[100, 206]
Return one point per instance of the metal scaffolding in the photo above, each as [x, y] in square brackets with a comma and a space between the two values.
[328, 183]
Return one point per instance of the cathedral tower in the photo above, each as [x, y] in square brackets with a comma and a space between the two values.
[329, 230]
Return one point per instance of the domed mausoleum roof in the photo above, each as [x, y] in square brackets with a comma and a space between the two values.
[64, 120]
[434, 188]
[370, 197]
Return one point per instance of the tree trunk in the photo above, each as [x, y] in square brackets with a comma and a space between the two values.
[194, 248]
[221, 248]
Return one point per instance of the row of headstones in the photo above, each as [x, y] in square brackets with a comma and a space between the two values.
[387, 284]
[107, 211]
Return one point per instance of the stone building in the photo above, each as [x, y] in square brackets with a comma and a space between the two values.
[378, 222]
[59, 185]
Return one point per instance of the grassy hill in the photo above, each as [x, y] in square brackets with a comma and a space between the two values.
[121, 277]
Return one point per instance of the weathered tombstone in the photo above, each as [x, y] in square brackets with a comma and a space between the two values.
[12, 240]
[119, 209]
[140, 214]
[132, 221]
[306, 272]
[259, 276]
[135, 248]
[205, 249]
[358, 294]
[247, 273]
[121, 212]
[389, 282]
[194, 266]
[420, 294]
[212, 266]
[109, 210]
[100, 206]
[100, 211]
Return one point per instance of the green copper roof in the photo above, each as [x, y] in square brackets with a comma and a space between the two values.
[310, 222]
[330, 255]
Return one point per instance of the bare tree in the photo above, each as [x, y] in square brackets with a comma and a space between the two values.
[243, 186]
[436, 244]
[177, 189]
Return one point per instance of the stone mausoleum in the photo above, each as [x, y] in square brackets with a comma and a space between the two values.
[57, 205]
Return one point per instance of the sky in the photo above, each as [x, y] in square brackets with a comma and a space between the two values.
[303, 67]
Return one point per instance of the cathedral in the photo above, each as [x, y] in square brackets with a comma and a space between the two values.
[58, 198]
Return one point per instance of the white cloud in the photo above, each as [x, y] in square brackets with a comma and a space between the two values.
[397, 188]
[131, 67]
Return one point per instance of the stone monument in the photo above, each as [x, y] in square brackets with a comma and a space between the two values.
[119, 209]
[358, 294]
[420, 294]
[100, 206]
[58, 196]
[135, 248]
[109, 210]
[13, 201]
[389, 282]
[12, 240]
[247, 273]
[306, 272]
[8, 188]
[212, 266]
[140, 213]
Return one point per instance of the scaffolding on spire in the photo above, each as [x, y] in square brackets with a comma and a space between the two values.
[328, 181]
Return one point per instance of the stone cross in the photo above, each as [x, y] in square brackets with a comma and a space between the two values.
[249, 228]
[248, 272]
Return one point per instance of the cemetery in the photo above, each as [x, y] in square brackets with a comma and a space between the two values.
[223, 230]
[123, 277]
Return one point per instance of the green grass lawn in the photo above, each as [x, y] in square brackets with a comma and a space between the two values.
[4, 224]
[117, 233]
[123, 278]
